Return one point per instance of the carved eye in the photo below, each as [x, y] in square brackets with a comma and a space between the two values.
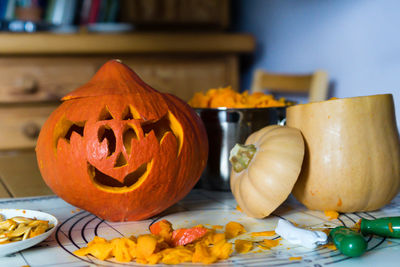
[105, 114]
[73, 128]
[160, 127]
[65, 129]
[167, 123]
[130, 113]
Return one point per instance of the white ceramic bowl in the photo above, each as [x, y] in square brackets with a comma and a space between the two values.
[16, 246]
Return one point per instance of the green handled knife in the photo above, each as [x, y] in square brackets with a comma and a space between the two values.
[387, 227]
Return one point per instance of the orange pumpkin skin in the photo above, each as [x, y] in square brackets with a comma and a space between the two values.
[120, 149]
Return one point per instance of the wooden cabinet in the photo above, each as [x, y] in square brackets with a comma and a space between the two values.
[21, 123]
[183, 76]
[37, 70]
[31, 79]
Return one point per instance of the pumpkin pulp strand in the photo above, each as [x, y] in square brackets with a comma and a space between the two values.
[241, 156]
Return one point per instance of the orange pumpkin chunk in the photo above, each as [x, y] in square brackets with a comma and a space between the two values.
[243, 246]
[233, 229]
[265, 233]
[162, 228]
[202, 254]
[123, 249]
[206, 246]
[222, 249]
[146, 245]
[98, 247]
[176, 255]
[270, 243]
[331, 214]
[185, 236]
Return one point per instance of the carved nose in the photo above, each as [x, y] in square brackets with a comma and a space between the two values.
[121, 161]
[105, 132]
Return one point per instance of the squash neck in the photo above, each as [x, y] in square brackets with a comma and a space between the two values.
[241, 156]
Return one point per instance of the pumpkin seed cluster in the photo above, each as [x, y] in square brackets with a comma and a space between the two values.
[20, 228]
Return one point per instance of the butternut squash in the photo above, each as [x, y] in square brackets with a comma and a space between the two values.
[352, 157]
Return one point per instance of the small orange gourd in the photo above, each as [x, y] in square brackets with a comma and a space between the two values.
[120, 149]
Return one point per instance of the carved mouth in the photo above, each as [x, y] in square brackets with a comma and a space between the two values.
[131, 180]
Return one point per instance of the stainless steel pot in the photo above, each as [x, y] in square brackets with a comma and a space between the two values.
[225, 127]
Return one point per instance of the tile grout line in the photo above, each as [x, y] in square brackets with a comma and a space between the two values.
[22, 255]
[6, 188]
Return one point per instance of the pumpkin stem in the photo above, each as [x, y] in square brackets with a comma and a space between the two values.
[241, 155]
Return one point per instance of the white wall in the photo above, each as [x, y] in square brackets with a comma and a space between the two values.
[356, 41]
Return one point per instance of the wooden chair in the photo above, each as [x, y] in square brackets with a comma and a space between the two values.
[315, 84]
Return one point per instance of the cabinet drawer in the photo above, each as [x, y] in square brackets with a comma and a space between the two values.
[26, 79]
[20, 125]
[29, 79]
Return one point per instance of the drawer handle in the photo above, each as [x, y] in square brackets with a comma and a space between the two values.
[31, 130]
[26, 85]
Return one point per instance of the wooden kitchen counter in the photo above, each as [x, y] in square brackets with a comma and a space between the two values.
[19, 175]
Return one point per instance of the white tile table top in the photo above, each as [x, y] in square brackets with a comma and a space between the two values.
[76, 228]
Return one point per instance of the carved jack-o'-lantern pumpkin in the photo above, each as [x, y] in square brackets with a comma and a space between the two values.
[120, 149]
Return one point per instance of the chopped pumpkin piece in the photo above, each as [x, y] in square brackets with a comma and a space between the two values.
[146, 245]
[162, 228]
[330, 246]
[185, 236]
[176, 255]
[197, 244]
[233, 229]
[217, 227]
[243, 246]
[202, 254]
[212, 238]
[216, 237]
[123, 249]
[270, 243]
[227, 97]
[222, 249]
[153, 258]
[98, 247]
[357, 226]
[331, 214]
[98, 240]
[265, 233]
